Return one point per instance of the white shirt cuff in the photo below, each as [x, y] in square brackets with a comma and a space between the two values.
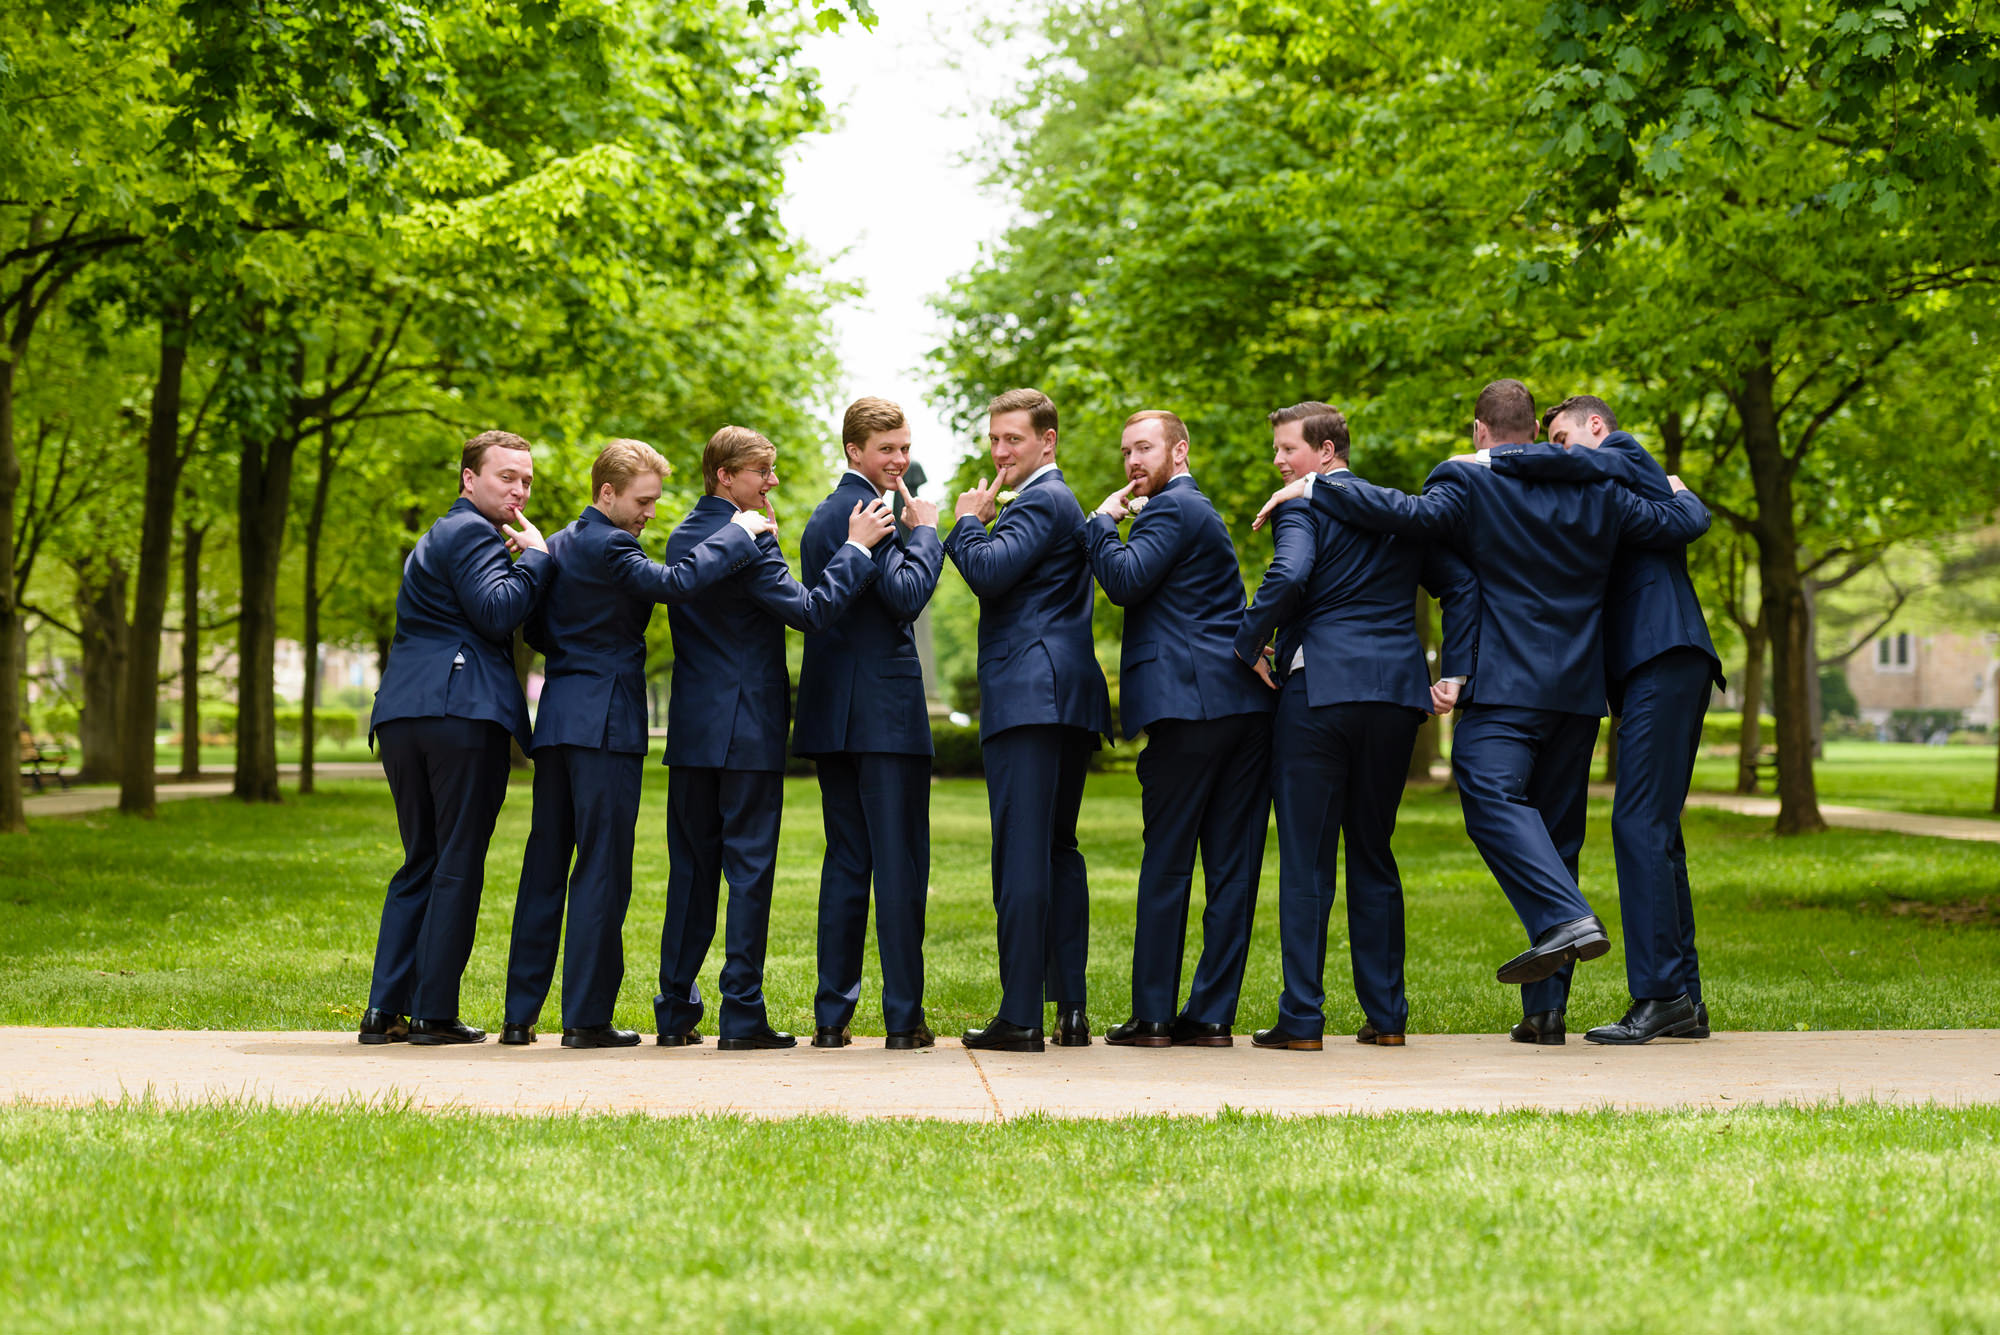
[861, 547]
[1310, 479]
[1484, 458]
[1456, 681]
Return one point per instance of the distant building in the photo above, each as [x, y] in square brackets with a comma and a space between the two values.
[1913, 670]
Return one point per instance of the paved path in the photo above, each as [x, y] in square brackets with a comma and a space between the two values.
[1856, 818]
[79, 800]
[1472, 1072]
[76, 801]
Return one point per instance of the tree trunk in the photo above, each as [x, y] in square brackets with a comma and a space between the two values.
[106, 641]
[155, 576]
[13, 819]
[263, 496]
[1786, 618]
[1996, 790]
[191, 542]
[1750, 736]
[315, 523]
[1815, 709]
[1425, 753]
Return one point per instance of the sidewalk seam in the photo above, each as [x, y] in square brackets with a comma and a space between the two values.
[999, 1114]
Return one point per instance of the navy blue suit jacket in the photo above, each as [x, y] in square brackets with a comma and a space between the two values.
[1543, 554]
[1037, 661]
[1182, 591]
[731, 692]
[1650, 607]
[861, 687]
[462, 595]
[1348, 597]
[591, 627]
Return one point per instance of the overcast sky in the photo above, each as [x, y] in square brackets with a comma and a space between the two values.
[889, 198]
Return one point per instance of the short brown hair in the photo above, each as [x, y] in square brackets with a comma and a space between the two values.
[867, 417]
[473, 456]
[1170, 423]
[735, 448]
[1039, 407]
[620, 461]
[1507, 408]
[1322, 424]
[1580, 405]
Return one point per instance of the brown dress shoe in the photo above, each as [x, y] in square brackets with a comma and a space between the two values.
[1368, 1033]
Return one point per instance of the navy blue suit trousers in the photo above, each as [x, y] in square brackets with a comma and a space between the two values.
[1041, 890]
[1339, 770]
[1523, 783]
[877, 813]
[1205, 782]
[1659, 736]
[586, 805]
[722, 824]
[448, 777]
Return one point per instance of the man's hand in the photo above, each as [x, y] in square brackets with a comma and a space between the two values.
[1114, 507]
[978, 501]
[525, 537]
[1674, 481]
[1261, 665]
[870, 523]
[1291, 491]
[916, 513]
[754, 522]
[1444, 696]
[1463, 459]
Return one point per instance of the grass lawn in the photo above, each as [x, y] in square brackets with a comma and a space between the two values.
[1897, 776]
[219, 916]
[1855, 1219]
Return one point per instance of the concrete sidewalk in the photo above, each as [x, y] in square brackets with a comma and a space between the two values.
[1464, 1072]
[104, 797]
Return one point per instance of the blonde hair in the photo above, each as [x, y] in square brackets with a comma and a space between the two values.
[734, 448]
[1170, 423]
[1039, 407]
[868, 417]
[620, 461]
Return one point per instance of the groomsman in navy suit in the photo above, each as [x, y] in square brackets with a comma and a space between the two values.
[1043, 706]
[1342, 601]
[726, 721]
[863, 721]
[448, 701]
[590, 740]
[1204, 776]
[1521, 752]
[1661, 666]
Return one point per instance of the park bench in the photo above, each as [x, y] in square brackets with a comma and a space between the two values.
[42, 760]
[1766, 765]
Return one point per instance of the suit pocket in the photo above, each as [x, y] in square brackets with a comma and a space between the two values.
[1141, 653]
[996, 650]
[901, 667]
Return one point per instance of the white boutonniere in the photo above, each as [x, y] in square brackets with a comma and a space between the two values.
[1005, 498]
[1136, 504]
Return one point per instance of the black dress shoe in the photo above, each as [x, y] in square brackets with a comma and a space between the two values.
[686, 1040]
[1140, 1034]
[1381, 1038]
[1072, 1029]
[908, 1040]
[1648, 1020]
[517, 1035]
[1700, 1029]
[379, 1026]
[1001, 1036]
[1197, 1034]
[600, 1036]
[1278, 1038]
[1544, 1027]
[760, 1040]
[1578, 939]
[436, 1033]
[828, 1037]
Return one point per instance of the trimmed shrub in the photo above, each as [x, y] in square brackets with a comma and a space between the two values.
[1722, 727]
[958, 753]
